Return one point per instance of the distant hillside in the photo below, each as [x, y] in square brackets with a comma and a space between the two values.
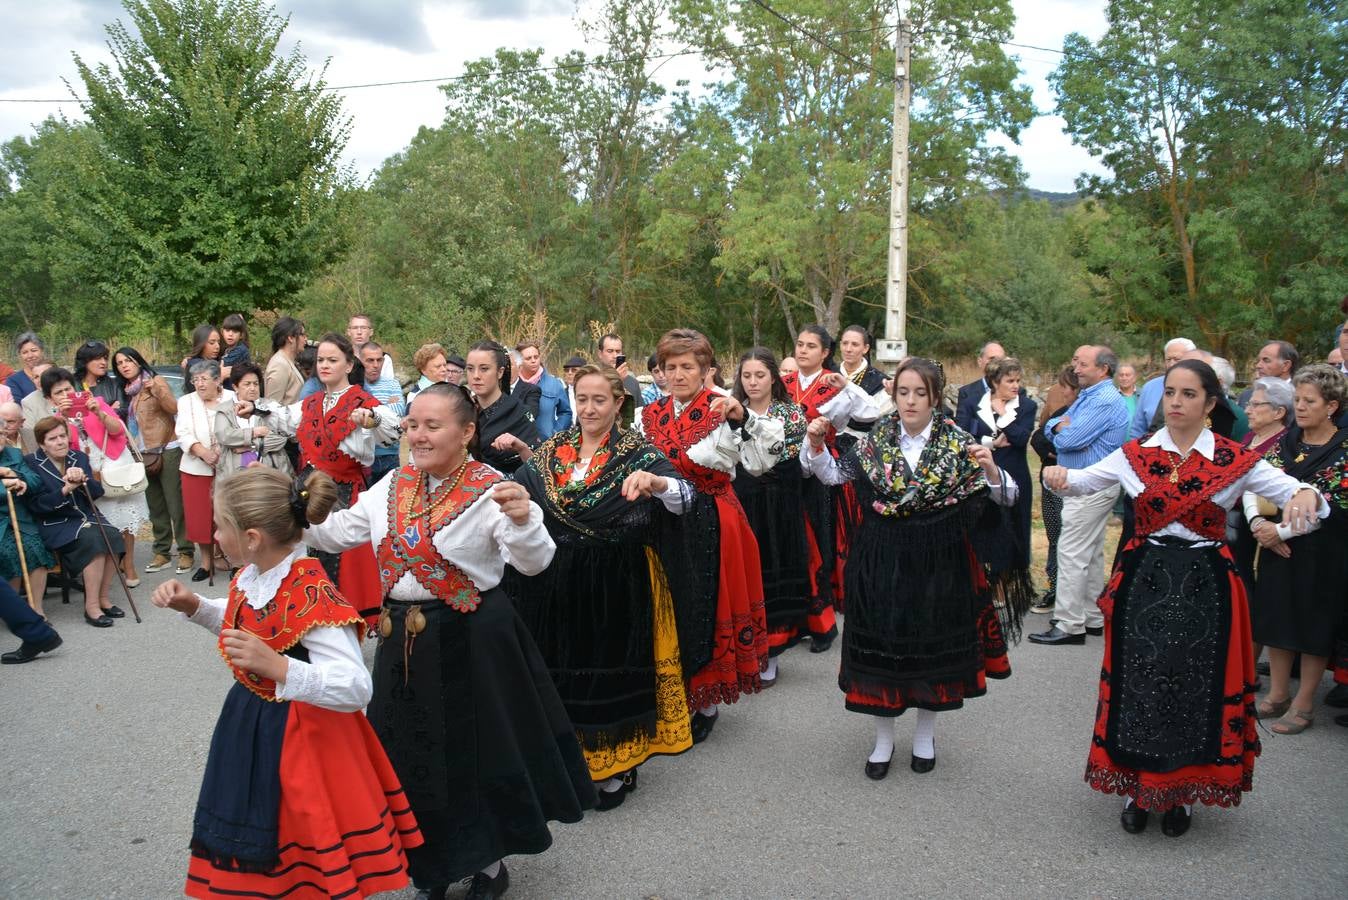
[1055, 199]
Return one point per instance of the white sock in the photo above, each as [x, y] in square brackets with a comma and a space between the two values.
[924, 735]
[709, 711]
[770, 673]
[1189, 808]
[1128, 801]
[612, 786]
[884, 740]
[492, 870]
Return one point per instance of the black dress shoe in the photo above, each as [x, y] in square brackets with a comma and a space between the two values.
[200, 575]
[484, 887]
[922, 766]
[100, 622]
[114, 612]
[1337, 696]
[1133, 819]
[876, 771]
[1056, 635]
[1095, 632]
[820, 643]
[701, 726]
[1175, 821]
[28, 652]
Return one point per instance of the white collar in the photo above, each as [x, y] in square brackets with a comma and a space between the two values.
[1205, 444]
[806, 380]
[259, 587]
[910, 440]
[985, 410]
[860, 370]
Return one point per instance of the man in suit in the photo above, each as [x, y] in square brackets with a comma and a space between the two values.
[966, 402]
[554, 409]
[527, 394]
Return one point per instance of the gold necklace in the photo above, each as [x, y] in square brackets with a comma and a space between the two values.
[1179, 461]
[423, 492]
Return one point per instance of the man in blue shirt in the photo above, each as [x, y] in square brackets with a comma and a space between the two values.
[1149, 397]
[384, 388]
[554, 410]
[1092, 428]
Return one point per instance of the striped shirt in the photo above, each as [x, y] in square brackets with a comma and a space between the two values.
[1099, 426]
[388, 392]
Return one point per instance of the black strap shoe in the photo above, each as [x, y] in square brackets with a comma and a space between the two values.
[1095, 632]
[484, 887]
[101, 622]
[1055, 636]
[701, 726]
[1134, 819]
[114, 612]
[876, 771]
[820, 643]
[922, 766]
[1175, 821]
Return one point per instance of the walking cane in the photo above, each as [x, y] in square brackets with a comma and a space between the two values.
[121, 576]
[18, 542]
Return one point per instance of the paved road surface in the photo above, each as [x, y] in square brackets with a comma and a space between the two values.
[104, 743]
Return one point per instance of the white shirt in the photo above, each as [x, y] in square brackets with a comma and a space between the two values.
[719, 450]
[823, 466]
[359, 444]
[849, 403]
[195, 424]
[764, 443]
[1114, 469]
[481, 541]
[335, 676]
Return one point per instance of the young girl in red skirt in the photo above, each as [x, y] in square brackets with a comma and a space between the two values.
[1175, 724]
[298, 800]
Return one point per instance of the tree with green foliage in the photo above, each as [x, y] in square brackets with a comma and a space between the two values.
[1223, 128]
[808, 215]
[218, 185]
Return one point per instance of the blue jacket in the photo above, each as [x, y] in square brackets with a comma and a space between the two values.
[554, 410]
[60, 516]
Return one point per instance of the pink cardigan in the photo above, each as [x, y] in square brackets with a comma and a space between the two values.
[97, 433]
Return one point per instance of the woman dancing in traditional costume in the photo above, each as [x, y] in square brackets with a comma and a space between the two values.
[922, 628]
[695, 427]
[830, 513]
[1175, 724]
[602, 612]
[298, 799]
[768, 483]
[337, 430]
[463, 701]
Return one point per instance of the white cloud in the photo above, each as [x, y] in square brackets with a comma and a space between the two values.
[401, 40]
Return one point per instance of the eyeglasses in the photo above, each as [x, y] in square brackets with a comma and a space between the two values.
[1250, 403]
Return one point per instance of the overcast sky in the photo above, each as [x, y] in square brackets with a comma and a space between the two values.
[393, 40]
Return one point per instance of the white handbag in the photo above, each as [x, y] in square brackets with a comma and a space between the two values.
[123, 479]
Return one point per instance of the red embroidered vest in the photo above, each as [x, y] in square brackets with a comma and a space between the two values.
[673, 435]
[306, 599]
[321, 433]
[414, 520]
[1175, 492]
[811, 398]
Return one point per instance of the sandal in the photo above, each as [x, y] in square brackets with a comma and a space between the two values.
[1294, 722]
[1272, 709]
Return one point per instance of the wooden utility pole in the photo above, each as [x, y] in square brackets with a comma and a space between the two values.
[894, 346]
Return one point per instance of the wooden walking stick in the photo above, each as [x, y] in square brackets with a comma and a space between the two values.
[18, 542]
[121, 576]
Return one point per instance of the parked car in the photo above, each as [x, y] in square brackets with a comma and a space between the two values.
[173, 375]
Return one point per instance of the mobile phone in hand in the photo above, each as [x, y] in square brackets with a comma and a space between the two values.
[620, 361]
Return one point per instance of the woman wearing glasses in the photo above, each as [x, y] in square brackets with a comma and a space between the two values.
[195, 428]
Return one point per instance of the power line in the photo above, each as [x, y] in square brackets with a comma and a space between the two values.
[593, 62]
[814, 37]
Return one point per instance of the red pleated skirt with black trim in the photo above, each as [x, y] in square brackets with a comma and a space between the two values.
[343, 823]
[1218, 783]
[740, 644]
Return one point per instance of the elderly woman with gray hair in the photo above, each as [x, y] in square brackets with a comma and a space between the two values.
[32, 353]
[1269, 411]
[195, 429]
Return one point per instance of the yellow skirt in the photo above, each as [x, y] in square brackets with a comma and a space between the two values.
[672, 732]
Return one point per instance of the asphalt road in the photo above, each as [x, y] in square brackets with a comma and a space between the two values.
[104, 744]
